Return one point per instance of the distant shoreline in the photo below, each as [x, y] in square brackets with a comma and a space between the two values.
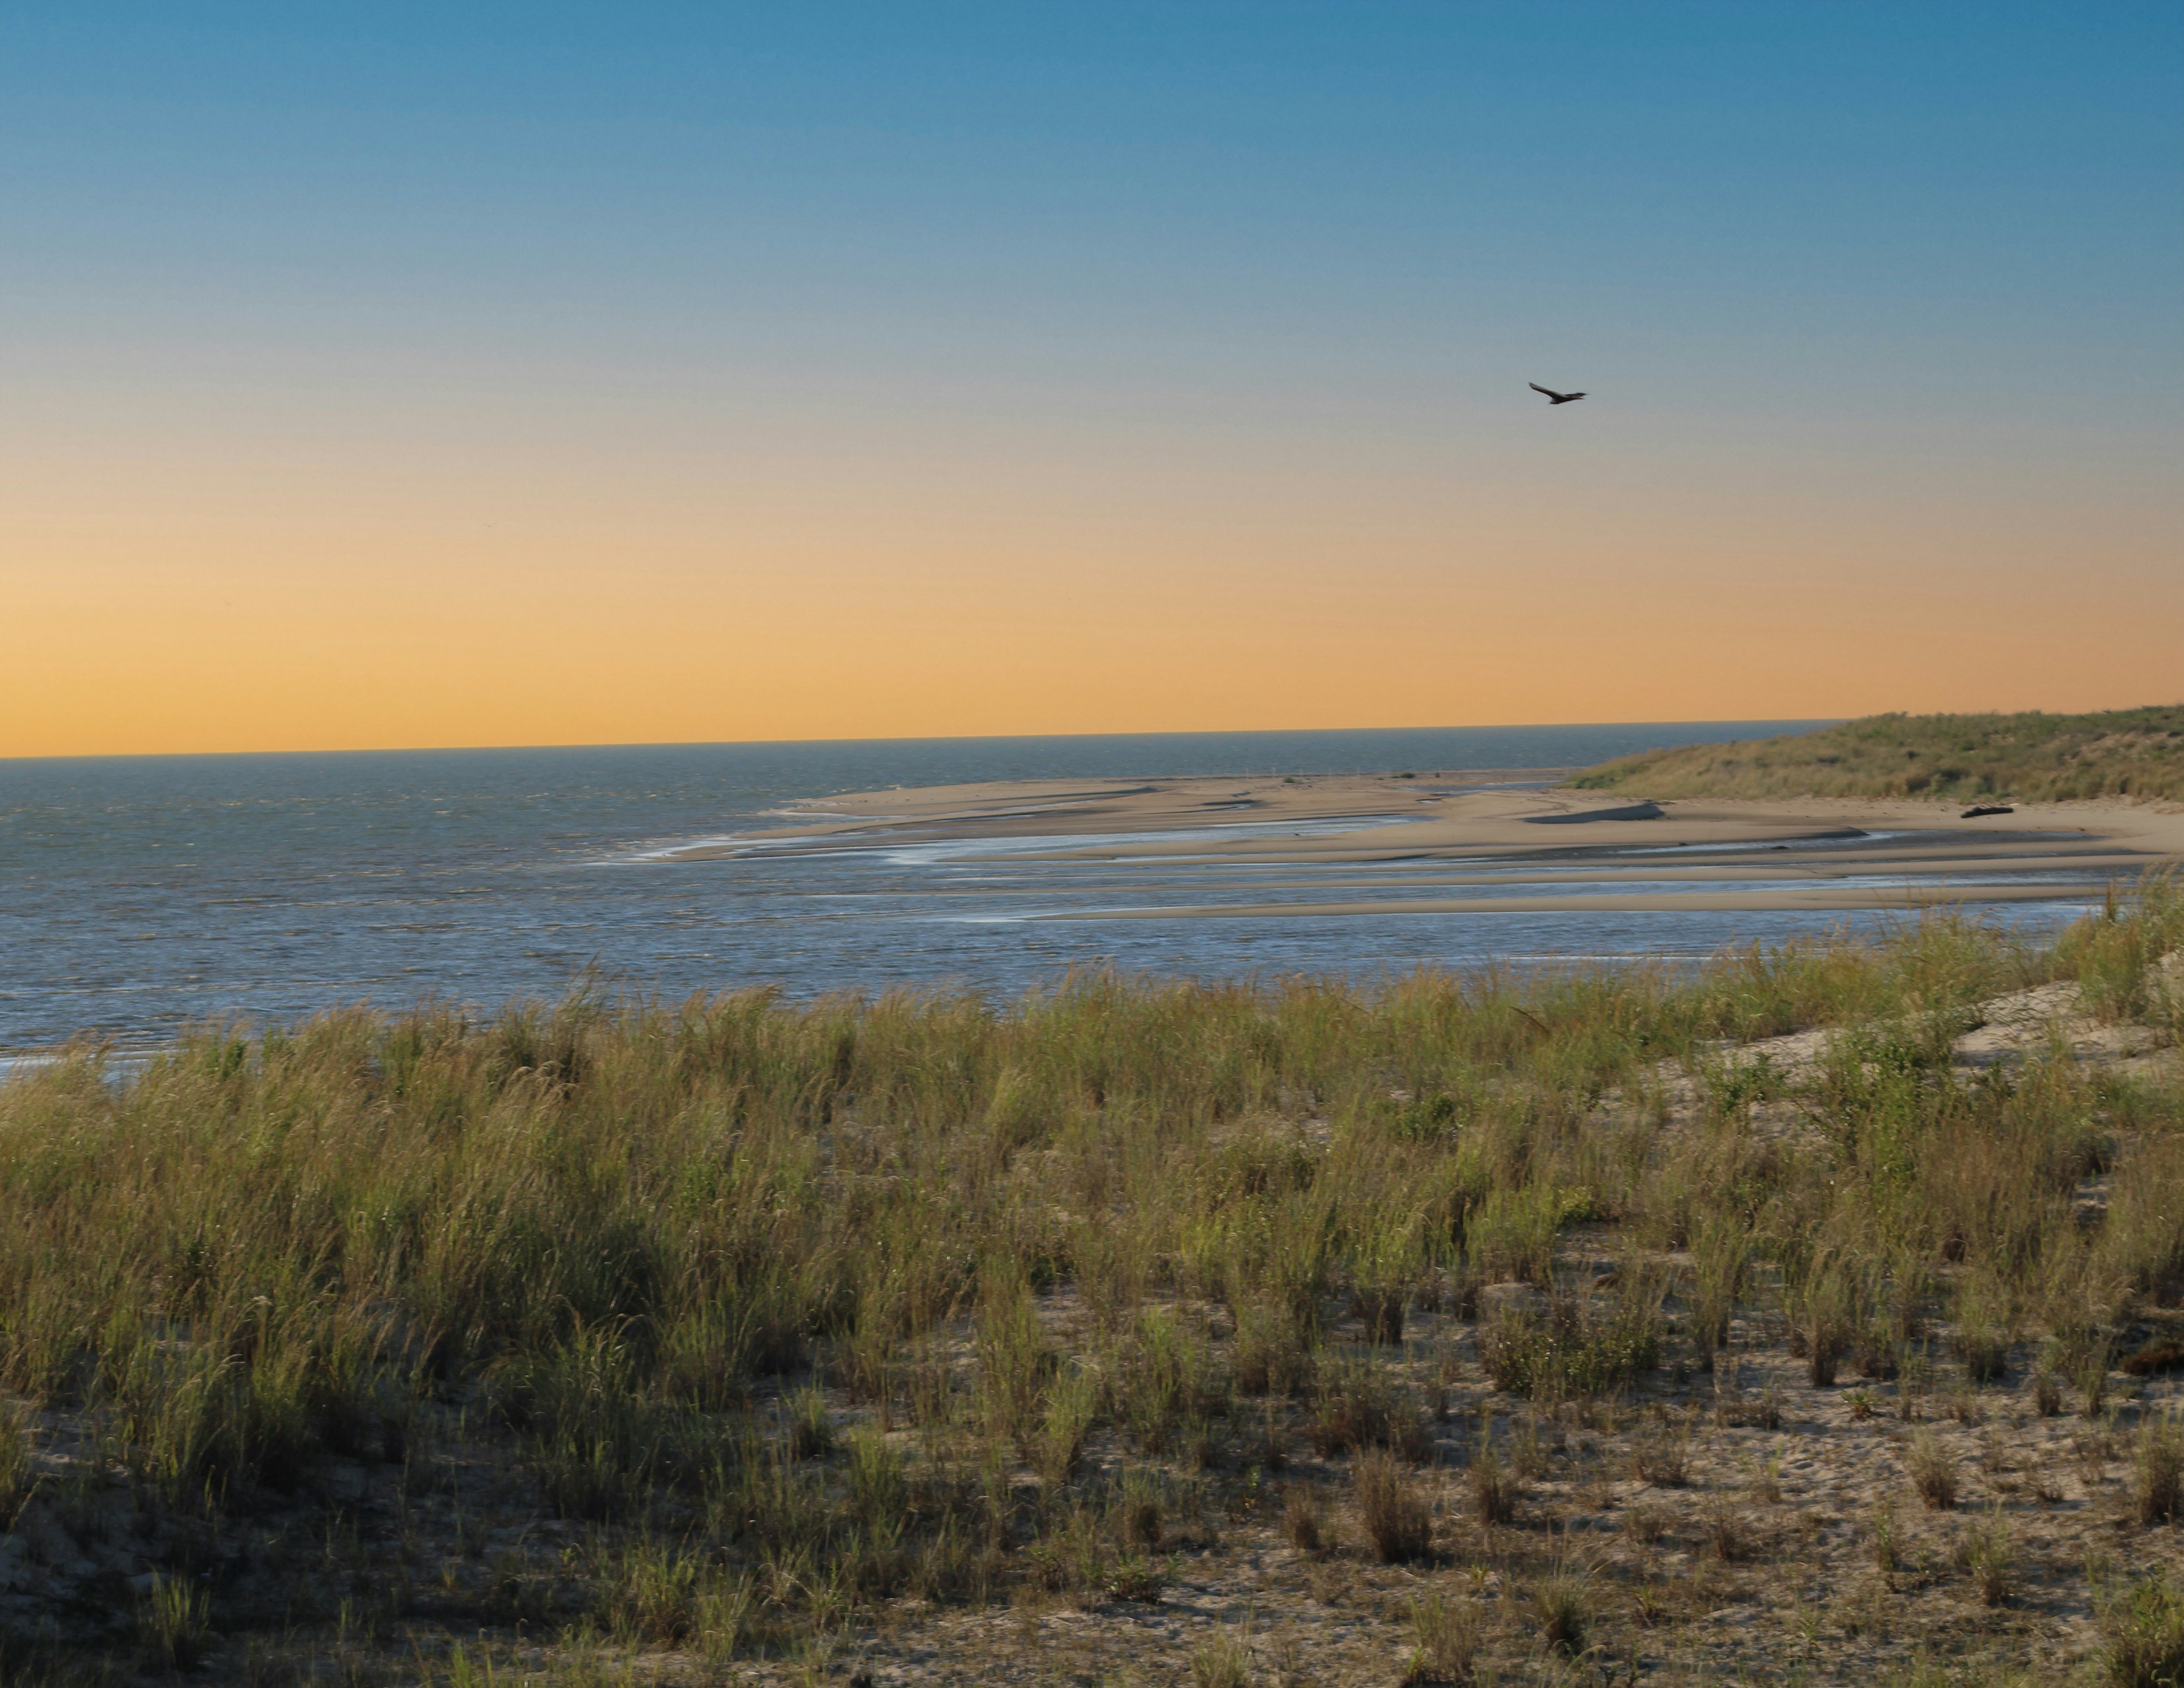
[2111, 756]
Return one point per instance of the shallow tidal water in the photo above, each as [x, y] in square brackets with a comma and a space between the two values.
[138, 894]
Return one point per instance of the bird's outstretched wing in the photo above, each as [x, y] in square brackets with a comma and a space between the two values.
[1549, 391]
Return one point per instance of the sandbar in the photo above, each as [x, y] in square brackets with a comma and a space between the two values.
[1514, 840]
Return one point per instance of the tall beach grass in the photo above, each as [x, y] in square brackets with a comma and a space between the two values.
[800, 1308]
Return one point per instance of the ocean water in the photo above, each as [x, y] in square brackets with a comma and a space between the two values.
[139, 895]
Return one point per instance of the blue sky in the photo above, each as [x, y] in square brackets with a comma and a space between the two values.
[1094, 184]
[1919, 258]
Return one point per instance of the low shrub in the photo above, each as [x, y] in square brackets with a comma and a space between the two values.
[1875, 1354]
[1933, 1470]
[18, 1475]
[1988, 1552]
[2158, 1471]
[1882, 1540]
[1725, 1534]
[1136, 1576]
[2143, 1645]
[1304, 1519]
[1661, 1457]
[1561, 1610]
[1397, 1521]
[1448, 1633]
[1068, 1407]
[1168, 1368]
[1273, 1354]
[1221, 1661]
[811, 1431]
[2162, 1354]
[1570, 1350]
[175, 1623]
[648, 1593]
[1355, 1409]
[1495, 1488]
[1141, 1513]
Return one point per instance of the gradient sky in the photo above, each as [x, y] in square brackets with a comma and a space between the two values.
[404, 374]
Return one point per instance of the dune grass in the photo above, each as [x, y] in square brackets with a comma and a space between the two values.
[1965, 758]
[777, 1317]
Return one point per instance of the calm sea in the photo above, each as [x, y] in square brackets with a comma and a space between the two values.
[141, 893]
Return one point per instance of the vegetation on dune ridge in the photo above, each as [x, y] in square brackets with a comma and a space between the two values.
[2032, 758]
[745, 1334]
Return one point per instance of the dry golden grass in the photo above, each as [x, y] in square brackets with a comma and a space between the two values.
[1186, 1332]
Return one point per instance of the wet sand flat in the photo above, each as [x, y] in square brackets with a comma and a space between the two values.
[1511, 840]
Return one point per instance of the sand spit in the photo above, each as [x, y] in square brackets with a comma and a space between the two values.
[1002, 809]
[1535, 848]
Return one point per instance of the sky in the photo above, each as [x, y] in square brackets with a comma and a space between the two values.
[397, 375]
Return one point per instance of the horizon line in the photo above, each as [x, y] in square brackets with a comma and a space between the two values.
[932, 738]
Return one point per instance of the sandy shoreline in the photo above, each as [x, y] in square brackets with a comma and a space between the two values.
[1510, 831]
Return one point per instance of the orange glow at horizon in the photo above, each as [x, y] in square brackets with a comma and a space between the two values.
[206, 614]
[507, 376]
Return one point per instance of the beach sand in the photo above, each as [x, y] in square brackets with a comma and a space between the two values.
[1539, 847]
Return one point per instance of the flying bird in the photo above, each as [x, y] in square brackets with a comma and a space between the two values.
[1553, 396]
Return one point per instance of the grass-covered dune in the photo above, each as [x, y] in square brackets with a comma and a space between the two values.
[1131, 1331]
[2032, 758]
